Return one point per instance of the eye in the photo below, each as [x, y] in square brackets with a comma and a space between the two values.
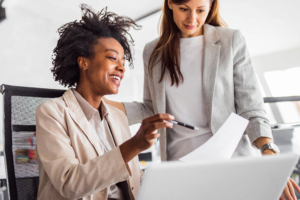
[112, 58]
[201, 11]
[183, 9]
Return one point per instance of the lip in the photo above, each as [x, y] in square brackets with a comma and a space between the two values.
[118, 83]
[189, 27]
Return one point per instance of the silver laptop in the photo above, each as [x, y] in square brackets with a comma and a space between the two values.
[261, 178]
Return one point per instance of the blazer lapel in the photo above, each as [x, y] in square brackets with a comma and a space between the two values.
[210, 67]
[159, 93]
[114, 128]
[78, 116]
[114, 125]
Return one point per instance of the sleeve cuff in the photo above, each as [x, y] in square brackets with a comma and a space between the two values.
[123, 168]
[255, 132]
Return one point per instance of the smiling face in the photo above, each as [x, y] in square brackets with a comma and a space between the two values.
[103, 72]
[190, 16]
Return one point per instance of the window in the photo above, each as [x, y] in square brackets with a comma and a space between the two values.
[285, 83]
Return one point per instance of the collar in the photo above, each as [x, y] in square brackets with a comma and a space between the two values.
[210, 34]
[87, 109]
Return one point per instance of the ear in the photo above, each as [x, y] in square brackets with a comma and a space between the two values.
[170, 4]
[82, 63]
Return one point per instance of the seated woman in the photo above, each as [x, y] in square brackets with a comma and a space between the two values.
[84, 146]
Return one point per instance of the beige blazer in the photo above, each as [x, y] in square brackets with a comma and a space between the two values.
[229, 84]
[71, 163]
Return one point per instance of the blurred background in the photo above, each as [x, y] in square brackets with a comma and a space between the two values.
[28, 35]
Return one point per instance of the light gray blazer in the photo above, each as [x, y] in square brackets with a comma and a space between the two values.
[229, 84]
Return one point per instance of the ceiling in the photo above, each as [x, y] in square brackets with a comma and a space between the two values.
[69, 9]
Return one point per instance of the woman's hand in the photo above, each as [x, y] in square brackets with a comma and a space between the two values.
[288, 191]
[145, 137]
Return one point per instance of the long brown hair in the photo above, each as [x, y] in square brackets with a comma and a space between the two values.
[166, 49]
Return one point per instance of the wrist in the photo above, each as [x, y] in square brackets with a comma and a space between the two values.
[259, 142]
[269, 152]
[270, 148]
[135, 145]
[129, 150]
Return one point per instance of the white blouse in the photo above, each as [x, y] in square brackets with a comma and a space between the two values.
[186, 102]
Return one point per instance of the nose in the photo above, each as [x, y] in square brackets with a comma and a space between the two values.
[192, 16]
[120, 67]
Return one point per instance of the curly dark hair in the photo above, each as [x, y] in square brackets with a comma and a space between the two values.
[77, 39]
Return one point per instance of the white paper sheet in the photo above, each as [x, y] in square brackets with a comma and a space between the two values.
[223, 143]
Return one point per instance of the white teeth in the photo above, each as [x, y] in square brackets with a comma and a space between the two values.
[117, 78]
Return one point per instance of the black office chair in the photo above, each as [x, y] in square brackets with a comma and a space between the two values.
[22, 172]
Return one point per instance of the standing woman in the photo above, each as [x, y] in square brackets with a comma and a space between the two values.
[200, 71]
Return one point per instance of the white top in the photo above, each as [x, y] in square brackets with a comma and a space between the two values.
[186, 102]
[101, 130]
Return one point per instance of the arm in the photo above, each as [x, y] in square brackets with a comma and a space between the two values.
[146, 108]
[248, 98]
[75, 180]
[249, 104]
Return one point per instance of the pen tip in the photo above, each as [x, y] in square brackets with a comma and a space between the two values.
[197, 129]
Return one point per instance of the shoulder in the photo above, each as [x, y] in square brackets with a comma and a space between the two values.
[228, 33]
[228, 38]
[150, 46]
[55, 105]
[152, 43]
[222, 31]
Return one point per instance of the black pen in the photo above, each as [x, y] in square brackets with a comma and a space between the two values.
[184, 125]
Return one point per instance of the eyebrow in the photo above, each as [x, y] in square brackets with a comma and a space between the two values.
[197, 7]
[114, 51]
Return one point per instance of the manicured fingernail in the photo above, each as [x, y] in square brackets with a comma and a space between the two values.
[172, 117]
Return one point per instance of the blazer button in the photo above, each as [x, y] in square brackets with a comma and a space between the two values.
[132, 188]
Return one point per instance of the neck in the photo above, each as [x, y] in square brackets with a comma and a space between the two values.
[89, 95]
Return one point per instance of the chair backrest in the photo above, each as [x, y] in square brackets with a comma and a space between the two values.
[22, 171]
